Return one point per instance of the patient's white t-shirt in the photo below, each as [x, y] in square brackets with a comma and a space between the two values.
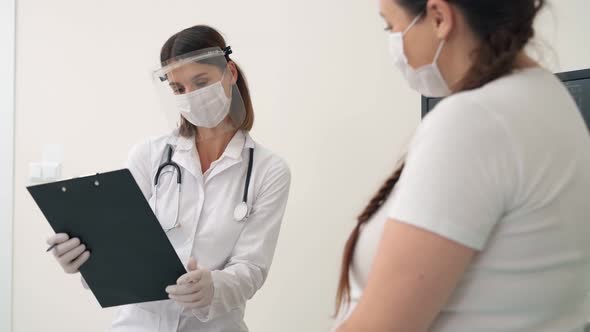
[503, 169]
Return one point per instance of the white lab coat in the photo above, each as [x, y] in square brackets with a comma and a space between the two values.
[239, 254]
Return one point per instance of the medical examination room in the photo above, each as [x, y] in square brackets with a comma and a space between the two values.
[295, 166]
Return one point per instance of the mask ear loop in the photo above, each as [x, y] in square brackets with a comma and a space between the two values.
[439, 51]
[414, 22]
[440, 46]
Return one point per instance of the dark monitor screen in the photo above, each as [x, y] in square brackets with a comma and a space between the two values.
[578, 83]
[580, 90]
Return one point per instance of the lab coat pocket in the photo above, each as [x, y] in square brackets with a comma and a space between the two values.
[132, 318]
[165, 200]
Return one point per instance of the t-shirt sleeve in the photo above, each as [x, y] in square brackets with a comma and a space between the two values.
[459, 171]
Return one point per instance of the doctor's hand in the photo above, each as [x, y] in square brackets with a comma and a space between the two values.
[193, 289]
[69, 253]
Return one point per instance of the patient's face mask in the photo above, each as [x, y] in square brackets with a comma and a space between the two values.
[427, 80]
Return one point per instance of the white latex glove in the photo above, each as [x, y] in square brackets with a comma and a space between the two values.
[69, 253]
[193, 289]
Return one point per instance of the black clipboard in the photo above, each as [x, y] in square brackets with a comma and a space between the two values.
[131, 258]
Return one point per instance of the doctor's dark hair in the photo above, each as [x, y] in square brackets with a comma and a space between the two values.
[503, 28]
[197, 38]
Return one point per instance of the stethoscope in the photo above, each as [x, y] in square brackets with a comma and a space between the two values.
[241, 211]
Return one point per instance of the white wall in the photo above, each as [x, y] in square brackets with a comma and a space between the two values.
[7, 40]
[563, 30]
[326, 98]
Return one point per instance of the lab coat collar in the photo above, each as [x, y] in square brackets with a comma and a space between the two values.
[249, 141]
[186, 153]
[232, 155]
[184, 143]
[237, 145]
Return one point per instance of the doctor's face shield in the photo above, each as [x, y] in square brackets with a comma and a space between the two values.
[200, 87]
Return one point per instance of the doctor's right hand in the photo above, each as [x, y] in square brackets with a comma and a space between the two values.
[69, 253]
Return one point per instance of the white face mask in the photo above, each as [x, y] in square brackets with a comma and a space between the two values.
[427, 80]
[205, 107]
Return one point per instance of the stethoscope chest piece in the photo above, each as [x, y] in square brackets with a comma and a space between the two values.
[241, 212]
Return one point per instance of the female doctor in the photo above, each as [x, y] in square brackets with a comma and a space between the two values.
[219, 196]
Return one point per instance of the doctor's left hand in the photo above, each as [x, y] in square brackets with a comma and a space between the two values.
[193, 289]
